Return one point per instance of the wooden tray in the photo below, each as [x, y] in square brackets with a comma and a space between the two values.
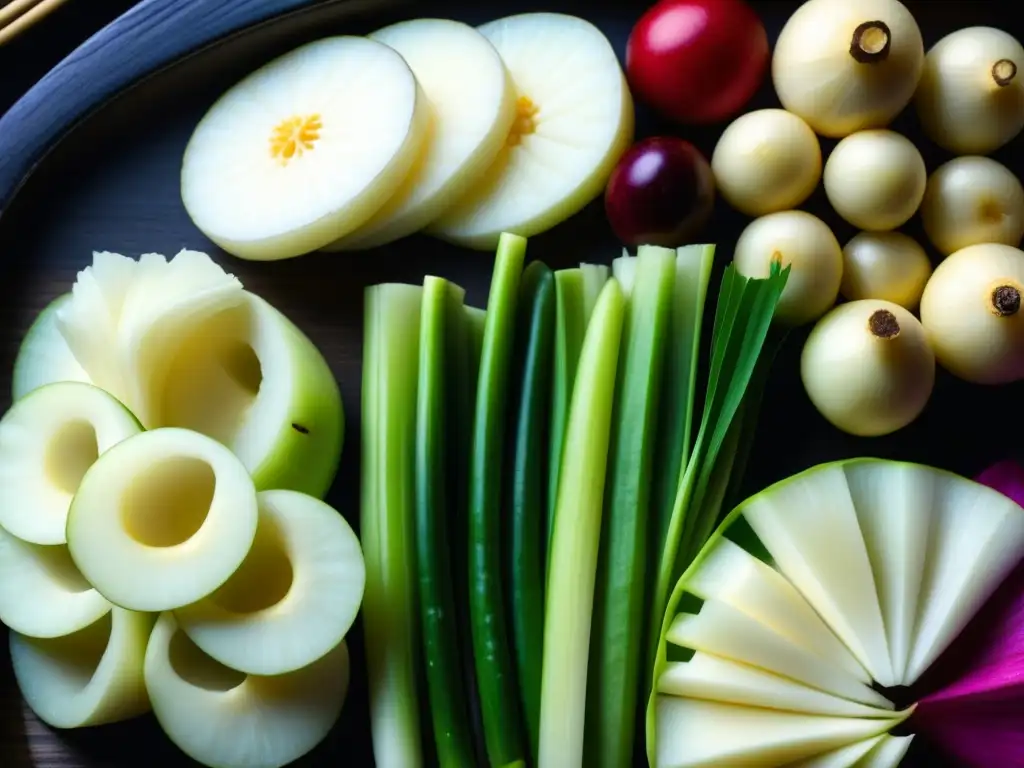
[89, 159]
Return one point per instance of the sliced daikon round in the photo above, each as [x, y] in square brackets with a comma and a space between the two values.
[294, 597]
[42, 593]
[162, 520]
[44, 356]
[48, 440]
[91, 677]
[574, 121]
[304, 150]
[221, 717]
[472, 104]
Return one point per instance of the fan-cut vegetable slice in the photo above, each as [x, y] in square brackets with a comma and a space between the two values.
[894, 506]
[844, 757]
[734, 576]
[704, 734]
[977, 537]
[812, 532]
[887, 753]
[718, 679]
[722, 630]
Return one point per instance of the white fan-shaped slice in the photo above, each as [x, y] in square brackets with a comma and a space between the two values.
[718, 679]
[162, 520]
[810, 527]
[575, 121]
[44, 356]
[887, 753]
[304, 150]
[472, 104]
[730, 574]
[704, 734]
[894, 505]
[294, 597]
[722, 630]
[249, 378]
[42, 593]
[844, 757]
[91, 677]
[89, 322]
[166, 301]
[48, 440]
[977, 537]
[221, 717]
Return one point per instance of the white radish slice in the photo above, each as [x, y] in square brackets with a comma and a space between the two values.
[888, 753]
[48, 441]
[844, 757]
[977, 536]
[42, 593]
[91, 677]
[173, 508]
[724, 631]
[44, 356]
[472, 106]
[704, 734]
[894, 505]
[218, 716]
[730, 574]
[812, 532]
[718, 679]
[575, 119]
[304, 150]
[294, 597]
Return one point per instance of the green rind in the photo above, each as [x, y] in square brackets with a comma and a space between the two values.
[439, 349]
[660, 658]
[570, 326]
[387, 520]
[526, 567]
[308, 447]
[495, 669]
[572, 568]
[43, 340]
[616, 647]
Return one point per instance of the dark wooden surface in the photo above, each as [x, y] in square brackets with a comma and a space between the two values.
[113, 184]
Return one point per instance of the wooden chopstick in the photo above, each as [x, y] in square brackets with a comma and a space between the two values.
[19, 15]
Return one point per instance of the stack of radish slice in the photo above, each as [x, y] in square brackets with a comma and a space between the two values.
[349, 143]
[847, 575]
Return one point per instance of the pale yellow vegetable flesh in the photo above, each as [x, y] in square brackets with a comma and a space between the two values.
[305, 149]
[173, 508]
[472, 105]
[574, 120]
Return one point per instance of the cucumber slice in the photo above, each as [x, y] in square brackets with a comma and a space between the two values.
[44, 356]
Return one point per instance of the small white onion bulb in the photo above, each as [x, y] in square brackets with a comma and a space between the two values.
[972, 200]
[971, 97]
[971, 312]
[766, 161]
[867, 367]
[845, 66]
[875, 179]
[885, 265]
[804, 243]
